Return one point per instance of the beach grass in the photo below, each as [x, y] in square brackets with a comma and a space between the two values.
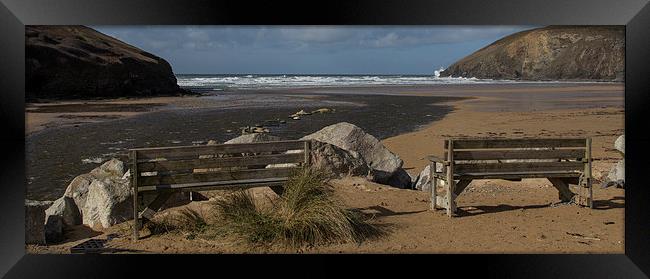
[306, 214]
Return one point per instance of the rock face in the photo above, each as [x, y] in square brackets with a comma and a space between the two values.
[65, 209]
[35, 221]
[66, 62]
[549, 53]
[337, 162]
[349, 137]
[109, 202]
[423, 182]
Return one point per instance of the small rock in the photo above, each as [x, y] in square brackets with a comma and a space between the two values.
[64, 209]
[619, 144]
[212, 142]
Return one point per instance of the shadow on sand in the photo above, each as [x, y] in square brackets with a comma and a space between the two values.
[483, 209]
[381, 211]
[610, 203]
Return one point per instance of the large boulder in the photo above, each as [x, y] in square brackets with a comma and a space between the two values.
[349, 137]
[65, 209]
[78, 188]
[109, 202]
[35, 221]
[619, 144]
[337, 162]
[111, 168]
[401, 179]
[251, 138]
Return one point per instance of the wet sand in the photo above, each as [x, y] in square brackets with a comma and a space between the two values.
[56, 155]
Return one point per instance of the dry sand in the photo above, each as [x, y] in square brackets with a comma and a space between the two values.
[496, 216]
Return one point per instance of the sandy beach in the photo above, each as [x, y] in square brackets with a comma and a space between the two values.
[495, 216]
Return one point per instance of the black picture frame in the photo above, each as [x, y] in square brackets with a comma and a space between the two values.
[634, 14]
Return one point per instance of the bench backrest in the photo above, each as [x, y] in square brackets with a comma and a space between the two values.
[195, 166]
[531, 156]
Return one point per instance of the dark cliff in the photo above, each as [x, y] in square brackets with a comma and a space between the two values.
[65, 62]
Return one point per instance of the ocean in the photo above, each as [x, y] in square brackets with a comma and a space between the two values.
[218, 82]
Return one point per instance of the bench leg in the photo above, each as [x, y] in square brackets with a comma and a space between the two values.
[434, 185]
[151, 209]
[562, 187]
[136, 219]
[451, 197]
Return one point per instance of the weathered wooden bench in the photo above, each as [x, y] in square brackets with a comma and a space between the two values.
[561, 161]
[159, 172]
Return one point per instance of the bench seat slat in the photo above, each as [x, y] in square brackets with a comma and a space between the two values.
[198, 186]
[516, 143]
[518, 175]
[241, 161]
[519, 154]
[239, 174]
[518, 167]
[189, 152]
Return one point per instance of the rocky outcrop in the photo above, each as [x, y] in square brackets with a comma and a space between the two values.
[549, 53]
[66, 62]
[35, 221]
[382, 162]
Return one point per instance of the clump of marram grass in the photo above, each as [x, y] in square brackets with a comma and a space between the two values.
[187, 221]
[305, 214]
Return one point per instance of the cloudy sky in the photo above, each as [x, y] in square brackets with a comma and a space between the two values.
[311, 49]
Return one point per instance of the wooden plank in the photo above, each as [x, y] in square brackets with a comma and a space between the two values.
[590, 201]
[196, 151]
[513, 175]
[211, 185]
[190, 164]
[519, 154]
[216, 176]
[307, 153]
[434, 184]
[518, 167]
[516, 143]
[134, 184]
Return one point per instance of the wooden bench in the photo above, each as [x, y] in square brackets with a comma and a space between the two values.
[561, 161]
[162, 171]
